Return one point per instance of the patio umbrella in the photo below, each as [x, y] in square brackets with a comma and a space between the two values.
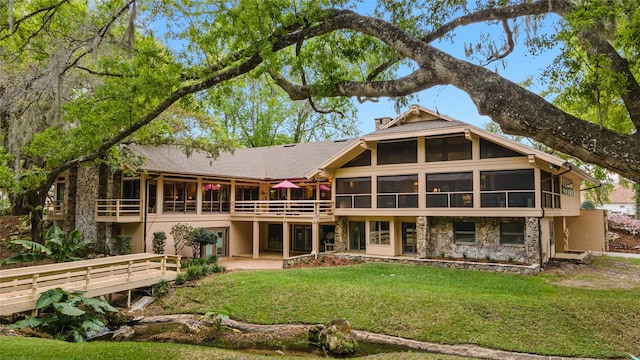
[324, 187]
[286, 184]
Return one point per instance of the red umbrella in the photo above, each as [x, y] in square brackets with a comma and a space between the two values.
[324, 187]
[285, 184]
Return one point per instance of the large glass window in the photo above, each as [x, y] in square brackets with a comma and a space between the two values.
[215, 197]
[512, 233]
[400, 191]
[450, 190]
[448, 149]
[507, 188]
[464, 232]
[550, 185]
[131, 188]
[247, 193]
[364, 159]
[179, 196]
[152, 196]
[409, 244]
[490, 150]
[379, 233]
[357, 236]
[353, 192]
[397, 152]
[275, 237]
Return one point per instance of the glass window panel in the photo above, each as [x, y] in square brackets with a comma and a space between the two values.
[489, 150]
[493, 200]
[450, 182]
[343, 202]
[545, 180]
[462, 200]
[512, 233]
[361, 201]
[364, 159]
[408, 201]
[526, 199]
[397, 152]
[386, 201]
[437, 200]
[398, 184]
[357, 185]
[380, 234]
[464, 232]
[507, 180]
[448, 149]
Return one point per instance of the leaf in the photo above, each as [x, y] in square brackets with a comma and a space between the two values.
[98, 305]
[93, 324]
[32, 245]
[50, 297]
[68, 310]
[76, 336]
[17, 259]
[29, 322]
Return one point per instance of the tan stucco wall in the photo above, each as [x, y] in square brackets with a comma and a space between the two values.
[241, 238]
[587, 231]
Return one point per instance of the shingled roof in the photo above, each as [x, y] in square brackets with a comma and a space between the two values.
[291, 161]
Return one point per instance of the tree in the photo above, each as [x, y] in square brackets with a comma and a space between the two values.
[110, 89]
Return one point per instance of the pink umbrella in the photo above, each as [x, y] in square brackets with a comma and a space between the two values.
[285, 184]
[324, 187]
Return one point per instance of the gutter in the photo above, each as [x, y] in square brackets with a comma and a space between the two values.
[540, 240]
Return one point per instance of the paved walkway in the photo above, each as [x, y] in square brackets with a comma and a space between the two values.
[243, 263]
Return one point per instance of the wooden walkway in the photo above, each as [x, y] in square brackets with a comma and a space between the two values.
[21, 287]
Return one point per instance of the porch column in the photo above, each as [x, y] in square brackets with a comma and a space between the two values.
[315, 237]
[256, 239]
[285, 240]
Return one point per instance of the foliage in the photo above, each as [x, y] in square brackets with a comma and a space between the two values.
[202, 237]
[159, 241]
[588, 205]
[197, 268]
[624, 223]
[123, 244]
[182, 236]
[161, 289]
[67, 315]
[58, 246]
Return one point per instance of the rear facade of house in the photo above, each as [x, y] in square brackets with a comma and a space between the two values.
[422, 185]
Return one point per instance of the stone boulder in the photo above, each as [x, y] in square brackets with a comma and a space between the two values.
[123, 333]
[336, 338]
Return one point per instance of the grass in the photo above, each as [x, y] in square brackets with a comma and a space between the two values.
[31, 348]
[532, 314]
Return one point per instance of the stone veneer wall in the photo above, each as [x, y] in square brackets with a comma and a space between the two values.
[341, 237]
[86, 194]
[440, 241]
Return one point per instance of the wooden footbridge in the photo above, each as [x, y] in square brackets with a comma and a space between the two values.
[21, 287]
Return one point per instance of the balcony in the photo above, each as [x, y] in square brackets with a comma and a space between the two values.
[302, 208]
[118, 210]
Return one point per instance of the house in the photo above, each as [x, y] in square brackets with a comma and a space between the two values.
[421, 185]
[621, 201]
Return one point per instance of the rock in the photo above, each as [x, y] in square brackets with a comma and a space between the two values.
[335, 337]
[194, 327]
[124, 333]
[142, 303]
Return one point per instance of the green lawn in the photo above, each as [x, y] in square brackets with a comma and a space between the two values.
[532, 314]
[13, 348]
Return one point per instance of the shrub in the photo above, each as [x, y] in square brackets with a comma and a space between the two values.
[160, 289]
[159, 241]
[123, 244]
[58, 245]
[588, 205]
[200, 238]
[182, 234]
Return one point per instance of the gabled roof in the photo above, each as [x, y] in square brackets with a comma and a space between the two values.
[622, 195]
[419, 121]
[292, 161]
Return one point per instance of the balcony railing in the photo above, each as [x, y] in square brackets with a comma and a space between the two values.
[53, 211]
[310, 208]
[118, 210]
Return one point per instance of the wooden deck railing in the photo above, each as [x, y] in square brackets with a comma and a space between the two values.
[293, 207]
[21, 287]
[118, 210]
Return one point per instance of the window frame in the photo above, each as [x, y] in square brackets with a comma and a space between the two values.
[378, 239]
[401, 199]
[404, 148]
[504, 235]
[456, 232]
[457, 196]
[445, 147]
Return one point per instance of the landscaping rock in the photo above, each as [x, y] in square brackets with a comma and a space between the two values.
[124, 333]
[336, 337]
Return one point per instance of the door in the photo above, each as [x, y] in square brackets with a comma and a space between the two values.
[552, 239]
[301, 238]
[409, 238]
[221, 246]
[357, 236]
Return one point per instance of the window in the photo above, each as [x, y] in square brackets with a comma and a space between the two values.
[464, 232]
[275, 237]
[512, 233]
[131, 188]
[353, 192]
[215, 197]
[397, 152]
[507, 188]
[364, 159]
[400, 191]
[379, 233]
[567, 186]
[152, 196]
[490, 150]
[179, 197]
[448, 149]
[247, 193]
[450, 190]
[550, 185]
[357, 236]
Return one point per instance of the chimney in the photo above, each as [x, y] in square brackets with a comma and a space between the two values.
[381, 122]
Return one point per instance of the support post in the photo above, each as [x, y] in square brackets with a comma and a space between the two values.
[256, 239]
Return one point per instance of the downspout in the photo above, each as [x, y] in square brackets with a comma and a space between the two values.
[540, 240]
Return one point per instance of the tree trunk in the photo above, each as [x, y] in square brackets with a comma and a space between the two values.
[71, 184]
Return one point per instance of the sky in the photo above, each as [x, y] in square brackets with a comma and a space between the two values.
[450, 101]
